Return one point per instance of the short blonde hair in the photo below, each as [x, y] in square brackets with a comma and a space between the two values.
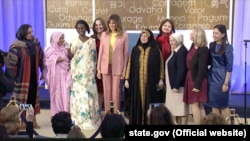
[200, 38]
[10, 118]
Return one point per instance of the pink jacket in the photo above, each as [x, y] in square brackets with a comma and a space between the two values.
[120, 54]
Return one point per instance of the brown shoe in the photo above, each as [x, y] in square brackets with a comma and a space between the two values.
[36, 126]
[23, 126]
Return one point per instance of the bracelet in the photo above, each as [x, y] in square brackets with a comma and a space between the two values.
[225, 84]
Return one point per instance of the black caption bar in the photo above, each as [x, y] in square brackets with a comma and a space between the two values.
[178, 132]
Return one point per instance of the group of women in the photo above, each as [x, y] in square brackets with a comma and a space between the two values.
[90, 70]
[191, 77]
[159, 69]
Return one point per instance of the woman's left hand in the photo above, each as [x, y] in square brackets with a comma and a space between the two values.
[224, 88]
[175, 90]
[195, 90]
[126, 84]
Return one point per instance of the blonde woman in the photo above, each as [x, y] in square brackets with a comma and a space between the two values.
[195, 93]
[112, 60]
[10, 119]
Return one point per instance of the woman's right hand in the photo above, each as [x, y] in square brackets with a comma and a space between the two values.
[59, 59]
[30, 114]
[98, 75]
[126, 84]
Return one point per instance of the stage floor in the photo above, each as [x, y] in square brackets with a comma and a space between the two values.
[236, 101]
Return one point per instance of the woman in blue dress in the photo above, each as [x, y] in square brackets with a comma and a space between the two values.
[221, 53]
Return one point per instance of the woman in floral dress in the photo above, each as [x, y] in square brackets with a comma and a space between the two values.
[84, 107]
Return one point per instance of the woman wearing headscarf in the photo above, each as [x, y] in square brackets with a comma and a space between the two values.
[175, 75]
[144, 77]
[57, 73]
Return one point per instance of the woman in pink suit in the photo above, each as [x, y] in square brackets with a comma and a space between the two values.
[112, 59]
[57, 73]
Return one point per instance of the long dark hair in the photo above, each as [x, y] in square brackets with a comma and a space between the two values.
[22, 31]
[224, 41]
[162, 23]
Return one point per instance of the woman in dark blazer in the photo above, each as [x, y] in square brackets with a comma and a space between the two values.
[195, 93]
[175, 74]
